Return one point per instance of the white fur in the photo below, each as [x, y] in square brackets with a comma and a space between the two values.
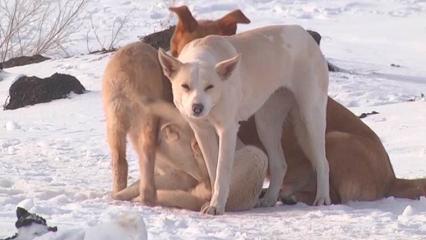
[271, 72]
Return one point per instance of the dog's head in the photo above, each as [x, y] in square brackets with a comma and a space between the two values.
[197, 86]
[188, 29]
[30, 225]
[175, 143]
[179, 147]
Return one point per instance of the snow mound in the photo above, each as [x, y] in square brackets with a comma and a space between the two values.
[125, 226]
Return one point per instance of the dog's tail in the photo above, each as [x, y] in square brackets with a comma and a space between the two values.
[408, 188]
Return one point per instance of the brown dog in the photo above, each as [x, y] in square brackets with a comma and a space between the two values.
[132, 78]
[188, 29]
[360, 169]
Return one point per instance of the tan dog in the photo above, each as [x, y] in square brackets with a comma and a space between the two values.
[188, 186]
[282, 71]
[131, 79]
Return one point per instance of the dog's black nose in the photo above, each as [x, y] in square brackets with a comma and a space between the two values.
[197, 108]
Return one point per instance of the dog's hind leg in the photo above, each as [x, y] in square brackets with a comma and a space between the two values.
[269, 123]
[144, 139]
[174, 180]
[117, 127]
[310, 123]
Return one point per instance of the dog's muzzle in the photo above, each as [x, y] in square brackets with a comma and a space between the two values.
[197, 109]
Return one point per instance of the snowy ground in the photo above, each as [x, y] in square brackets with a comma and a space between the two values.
[54, 159]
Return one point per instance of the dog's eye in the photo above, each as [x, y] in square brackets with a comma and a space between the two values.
[185, 86]
[208, 87]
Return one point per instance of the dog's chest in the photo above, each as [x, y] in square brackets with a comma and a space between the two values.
[244, 113]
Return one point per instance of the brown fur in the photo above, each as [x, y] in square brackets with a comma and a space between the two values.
[181, 174]
[360, 169]
[188, 29]
[132, 78]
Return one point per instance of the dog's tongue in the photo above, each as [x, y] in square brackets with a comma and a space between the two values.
[52, 229]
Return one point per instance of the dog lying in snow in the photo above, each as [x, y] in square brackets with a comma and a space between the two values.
[30, 226]
[218, 81]
[133, 77]
[188, 186]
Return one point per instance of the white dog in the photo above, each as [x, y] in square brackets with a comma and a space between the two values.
[272, 71]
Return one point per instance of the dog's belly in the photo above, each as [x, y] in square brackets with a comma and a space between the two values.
[249, 107]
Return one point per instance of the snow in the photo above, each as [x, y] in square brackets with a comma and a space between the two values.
[54, 159]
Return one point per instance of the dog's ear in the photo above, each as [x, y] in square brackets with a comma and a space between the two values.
[228, 23]
[169, 64]
[225, 68]
[170, 132]
[186, 20]
[21, 213]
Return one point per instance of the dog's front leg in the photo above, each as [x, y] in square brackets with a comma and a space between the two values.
[207, 140]
[227, 144]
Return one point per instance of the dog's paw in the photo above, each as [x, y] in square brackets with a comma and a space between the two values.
[266, 201]
[323, 200]
[117, 196]
[145, 201]
[212, 210]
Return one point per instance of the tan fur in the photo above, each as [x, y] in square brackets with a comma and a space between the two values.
[184, 182]
[360, 169]
[131, 79]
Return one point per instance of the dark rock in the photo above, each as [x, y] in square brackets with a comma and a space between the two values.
[395, 65]
[315, 35]
[417, 98]
[364, 115]
[32, 90]
[23, 60]
[160, 39]
[103, 51]
[291, 200]
[333, 68]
